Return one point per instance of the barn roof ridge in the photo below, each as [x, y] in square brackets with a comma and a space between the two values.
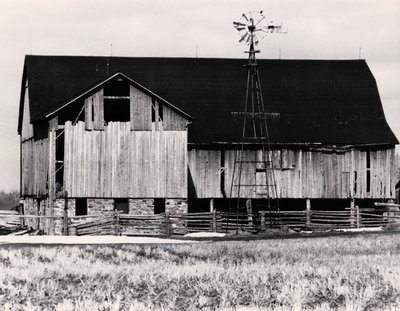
[198, 58]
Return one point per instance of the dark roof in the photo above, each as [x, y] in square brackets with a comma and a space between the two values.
[319, 101]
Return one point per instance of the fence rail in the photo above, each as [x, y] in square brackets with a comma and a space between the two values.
[178, 224]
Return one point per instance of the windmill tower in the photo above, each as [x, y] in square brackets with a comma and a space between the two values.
[253, 173]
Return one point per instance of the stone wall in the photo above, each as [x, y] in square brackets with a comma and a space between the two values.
[99, 206]
[176, 206]
[40, 207]
[31, 208]
[141, 206]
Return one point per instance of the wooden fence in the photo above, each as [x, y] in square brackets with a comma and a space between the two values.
[179, 224]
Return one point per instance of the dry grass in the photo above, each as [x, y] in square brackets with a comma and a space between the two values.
[329, 273]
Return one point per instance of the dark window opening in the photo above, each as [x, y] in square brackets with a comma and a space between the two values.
[355, 182]
[368, 171]
[159, 206]
[40, 130]
[116, 101]
[60, 145]
[116, 87]
[160, 111]
[116, 110]
[153, 110]
[81, 207]
[121, 205]
[92, 108]
[73, 112]
[154, 116]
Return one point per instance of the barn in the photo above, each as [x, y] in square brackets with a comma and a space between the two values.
[150, 135]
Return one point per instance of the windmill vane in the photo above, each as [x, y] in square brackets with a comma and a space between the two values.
[254, 26]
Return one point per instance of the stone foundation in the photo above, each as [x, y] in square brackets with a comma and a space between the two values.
[40, 207]
[176, 206]
[141, 206]
[99, 206]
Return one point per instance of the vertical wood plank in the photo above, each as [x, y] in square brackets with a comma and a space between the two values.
[88, 113]
[140, 106]
[52, 154]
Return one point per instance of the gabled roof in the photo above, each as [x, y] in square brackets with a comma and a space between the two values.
[317, 101]
[116, 76]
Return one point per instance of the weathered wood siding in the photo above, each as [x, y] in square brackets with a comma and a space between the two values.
[298, 174]
[27, 128]
[118, 162]
[204, 167]
[94, 111]
[34, 167]
[173, 121]
[140, 110]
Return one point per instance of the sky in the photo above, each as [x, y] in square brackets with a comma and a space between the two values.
[329, 29]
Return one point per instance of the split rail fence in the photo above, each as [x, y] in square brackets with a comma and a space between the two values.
[173, 224]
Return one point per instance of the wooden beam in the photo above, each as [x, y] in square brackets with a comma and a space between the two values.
[98, 102]
[65, 217]
[212, 208]
[53, 123]
[88, 113]
[381, 204]
[52, 177]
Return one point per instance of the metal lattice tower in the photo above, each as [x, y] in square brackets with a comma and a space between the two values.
[253, 173]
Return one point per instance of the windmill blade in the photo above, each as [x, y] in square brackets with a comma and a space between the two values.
[245, 17]
[248, 39]
[244, 37]
[237, 24]
[240, 28]
[259, 21]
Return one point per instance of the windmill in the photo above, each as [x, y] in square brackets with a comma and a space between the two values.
[253, 173]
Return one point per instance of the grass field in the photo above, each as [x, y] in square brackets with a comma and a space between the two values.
[325, 273]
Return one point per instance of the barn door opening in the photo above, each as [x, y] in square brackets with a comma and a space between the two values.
[121, 205]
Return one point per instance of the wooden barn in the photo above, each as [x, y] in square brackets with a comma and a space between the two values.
[149, 135]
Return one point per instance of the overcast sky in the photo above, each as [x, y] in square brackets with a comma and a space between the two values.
[329, 29]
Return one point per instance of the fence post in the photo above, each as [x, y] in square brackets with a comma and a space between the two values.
[168, 224]
[353, 220]
[38, 214]
[358, 218]
[308, 213]
[214, 221]
[117, 227]
[65, 217]
[262, 221]
[249, 208]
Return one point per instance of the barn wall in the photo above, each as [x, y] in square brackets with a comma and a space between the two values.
[140, 110]
[27, 128]
[298, 174]
[34, 166]
[94, 111]
[118, 162]
[173, 121]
